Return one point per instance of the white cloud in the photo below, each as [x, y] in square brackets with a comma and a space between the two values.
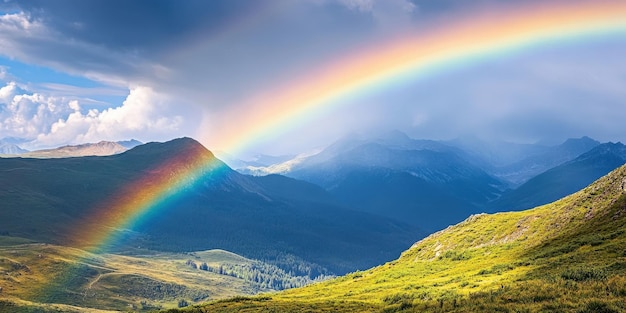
[74, 105]
[145, 114]
[7, 92]
[52, 121]
[27, 115]
[19, 22]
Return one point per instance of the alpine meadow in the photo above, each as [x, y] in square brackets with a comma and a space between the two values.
[312, 156]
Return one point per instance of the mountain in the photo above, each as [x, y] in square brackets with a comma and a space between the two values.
[129, 144]
[266, 160]
[497, 153]
[261, 164]
[516, 163]
[563, 179]
[400, 178]
[567, 256]
[7, 147]
[521, 171]
[262, 218]
[101, 148]
[277, 168]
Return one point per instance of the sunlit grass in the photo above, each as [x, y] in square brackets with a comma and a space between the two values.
[35, 275]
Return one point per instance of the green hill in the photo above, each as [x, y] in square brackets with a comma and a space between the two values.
[39, 277]
[567, 256]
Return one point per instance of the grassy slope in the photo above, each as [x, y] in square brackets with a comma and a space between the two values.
[568, 256]
[33, 276]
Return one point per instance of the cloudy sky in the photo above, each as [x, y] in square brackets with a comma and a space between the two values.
[74, 71]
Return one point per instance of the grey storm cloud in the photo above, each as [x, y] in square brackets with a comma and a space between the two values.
[137, 26]
[118, 38]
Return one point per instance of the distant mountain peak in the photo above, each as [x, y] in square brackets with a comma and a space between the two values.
[177, 143]
[610, 147]
[187, 144]
[102, 148]
[582, 141]
[10, 148]
[129, 144]
[395, 135]
[183, 149]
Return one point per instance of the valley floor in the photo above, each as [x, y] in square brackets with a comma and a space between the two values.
[37, 277]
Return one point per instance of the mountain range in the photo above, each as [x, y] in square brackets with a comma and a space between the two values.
[402, 179]
[519, 172]
[432, 184]
[563, 179]
[9, 148]
[258, 217]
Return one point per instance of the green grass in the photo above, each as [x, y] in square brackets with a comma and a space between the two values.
[48, 278]
[568, 256]
[12, 241]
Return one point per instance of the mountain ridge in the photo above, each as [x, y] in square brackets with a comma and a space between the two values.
[219, 209]
[102, 148]
[527, 168]
[564, 179]
[9, 148]
[410, 176]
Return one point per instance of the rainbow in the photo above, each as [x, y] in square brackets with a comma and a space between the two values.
[508, 29]
[132, 203]
[481, 36]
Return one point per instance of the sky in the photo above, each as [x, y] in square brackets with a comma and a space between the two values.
[74, 71]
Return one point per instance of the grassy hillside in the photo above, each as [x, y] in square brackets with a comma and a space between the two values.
[568, 256]
[48, 278]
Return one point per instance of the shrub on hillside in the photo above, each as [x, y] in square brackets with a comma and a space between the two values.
[581, 274]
